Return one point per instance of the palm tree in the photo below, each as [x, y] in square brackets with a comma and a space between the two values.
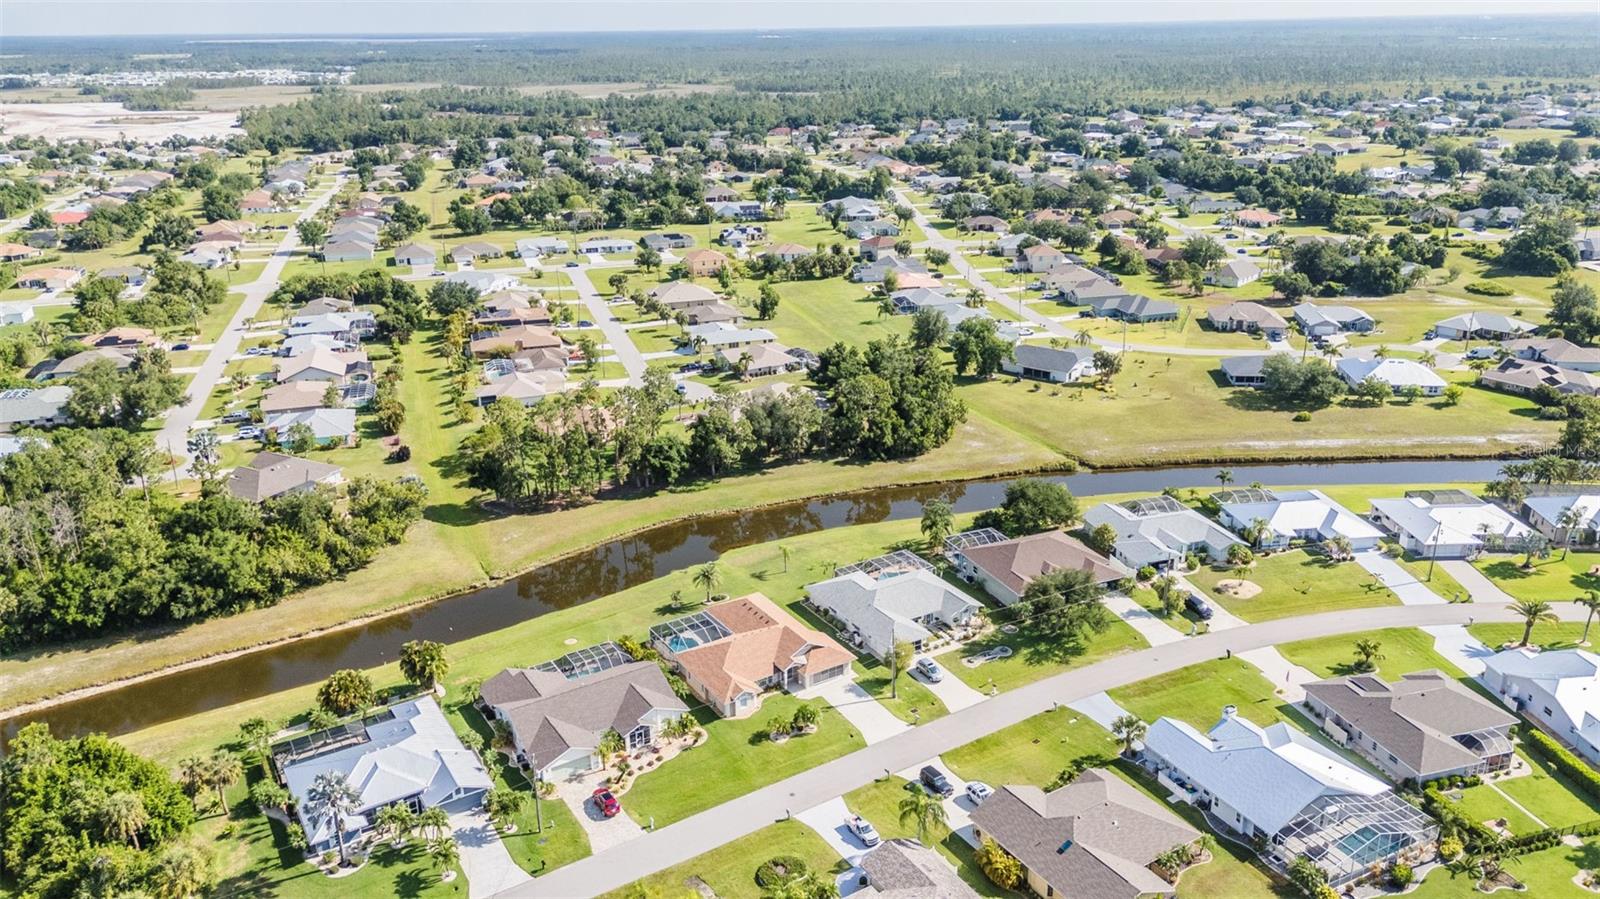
[1258, 529]
[709, 577]
[1128, 730]
[397, 820]
[1225, 476]
[938, 522]
[1568, 521]
[445, 854]
[611, 743]
[1590, 601]
[192, 777]
[1083, 338]
[434, 822]
[899, 660]
[922, 807]
[125, 816]
[331, 799]
[1531, 611]
[1343, 546]
[224, 772]
[1368, 654]
[783, 548]
[183, 871]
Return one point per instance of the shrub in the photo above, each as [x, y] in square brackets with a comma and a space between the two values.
[401, 453]
[1564, 761]
[1146, 573]
[778, 870]
[1302, 416]
[1489, 289]
[999, 865]
[1401, 875]
[1450, 847]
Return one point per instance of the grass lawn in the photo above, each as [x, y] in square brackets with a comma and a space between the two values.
[1554, 579]
[735, 759]
[879, 802]
[1031, 751]
[1197, 694]
[1550, 635]
[1438, 580]
[1297, 583]
[873, 677]
[1036, 656]
[730, 870]
[1404, 650]
[1482, 804]
[1547, 873]
[1550, 794]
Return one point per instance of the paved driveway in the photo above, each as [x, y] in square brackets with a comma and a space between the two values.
[951, 690]
[1099, 708]
[1155, 631]
[1478, 585]
[603, 832]
[828, 820]
[1405, 585]
[1462, 649]
[875, 722]
[484, 859]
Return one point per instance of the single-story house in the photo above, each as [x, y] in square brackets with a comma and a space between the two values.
[874, 247]
[788, 252]
[906, 869]
[1325, 321]
[1483, 326]
[853, 209]
[1446, 524]
[1424, 726]
[1245, 371]
[1558, 689]
[1045, 363]
[1133, 308]
[23, 407]
[1557, 351]
[898, 606]
[526, 387]
[1160, 532]
[513, 340]
[1399, 374]
[415, 254]
[720, 336]
[534, 247]
[682, 294]
[1235, 273]
[990, 223]
[1290, 515]
[325, 365]
[1284, 788]
[347, 250]
[294, 396]
[485, 282]
[1251, 218]
[275, 474]
[16, 313]
[475, 249]
[606, 246]
[671, 240]
[732, 652]
[1252, 318]
[54, 278]
[55, 369]
[1565, 516]
[329, 427]
[765, 359]
[1005, 566]
[1098, 836]
[1522, 376]
[407, 754]
[559, 713]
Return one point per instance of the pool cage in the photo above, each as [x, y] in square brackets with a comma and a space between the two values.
[1345, 835]
[1160, 504]
[955, 543]
[686, 633]
[586, 661]
[900, 561]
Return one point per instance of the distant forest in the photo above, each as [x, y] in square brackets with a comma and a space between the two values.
[934, 71]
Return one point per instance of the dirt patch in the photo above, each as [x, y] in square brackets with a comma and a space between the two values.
[111, 121]
[1238, 588]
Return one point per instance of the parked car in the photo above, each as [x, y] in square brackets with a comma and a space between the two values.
[605, 803]
[234, 417]
[1482, 352]
[978, 791]
[930, 670]
[573, 264]
[250, 432]
[179, 347]
[683, 389]
[935, 781]
[1198, 605]
[863, 829]
[585, 323]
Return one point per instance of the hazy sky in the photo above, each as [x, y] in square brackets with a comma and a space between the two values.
[312, 17]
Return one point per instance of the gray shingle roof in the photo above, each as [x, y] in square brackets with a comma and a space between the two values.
[552, 714]
[905, 869]
[1414, 718]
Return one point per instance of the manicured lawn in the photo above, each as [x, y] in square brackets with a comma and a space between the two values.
[1554, 579]
[1549, 794]
[1482, 804]
[1297, 583]
[873, 676]
[1035, 656]
[1550, 635]
[1404, 650]
[1197, 694]
[1032, 751]
[879, 802]
[1439, 580]
[730, 869]
[736, 759]
[1547, 873]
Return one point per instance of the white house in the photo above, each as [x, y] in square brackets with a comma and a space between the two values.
[1159, 531]
[1280, 785]
[1290, 515]
[15, 313]
[1399, 374]
[1045, 363]
[1570, 519]
[1558, 689]
[1446, 524]
[607, 245]
[912, 606]
[1483, 326]
[534, 247]
[1236, 273]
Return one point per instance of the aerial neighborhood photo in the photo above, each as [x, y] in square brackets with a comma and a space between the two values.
[684, 449]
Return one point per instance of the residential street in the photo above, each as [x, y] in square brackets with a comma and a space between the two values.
[714, 827]
[616, 335]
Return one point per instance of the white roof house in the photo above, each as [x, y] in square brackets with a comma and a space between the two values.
[895, 607]
[327, 425]
[407, 753]
[1560, 689]
[484, 281]
[534, 247]
[1283, 784]
[1295, 515]
[1397, 373]
[1159, 531]
[1484, 326]
[1446, 524]
[1548, 514]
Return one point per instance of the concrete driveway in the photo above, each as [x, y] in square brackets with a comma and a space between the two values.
[951, 690]
[828, 820]
[957, 808]
[875, 722]
[484, 858]
[1405, 585]
[603, 832]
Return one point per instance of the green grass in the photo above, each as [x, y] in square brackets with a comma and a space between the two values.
[1550, 794]
[1439, 580]
[1297, 583]
[873, 677]
[730, 869]
[1035, 656]
[1196, 695]
[1547, 873]
[1554, 579]
[1482, 804]
[1550, 635]
[1032, 751]
[735, 759]
[1404, 650]
[879, 802]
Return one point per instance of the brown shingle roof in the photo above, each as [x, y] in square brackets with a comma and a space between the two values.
[1016, 563]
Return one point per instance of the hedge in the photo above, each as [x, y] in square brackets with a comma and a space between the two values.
[1562, 759]
[1489, 289]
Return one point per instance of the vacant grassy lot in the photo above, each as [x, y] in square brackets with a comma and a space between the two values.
[730, 870]
[1297, 583]
[1404, 650]
[1555, 579]
[1032, 751]
[1197, 694]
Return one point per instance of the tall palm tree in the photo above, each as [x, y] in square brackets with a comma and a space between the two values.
[331, 799]
[193, 777]
[1531, 611]
[709, 577]
[1590, 601]
[445, 854]
[434, 822]
[786, 552]
[1368, 654]
[1128, 730]
[611, 744]
[125, 816]
[1568, 522]
[225, 771]
[923, 808]
[1258, 529]
[938, 522]
[1225, 476]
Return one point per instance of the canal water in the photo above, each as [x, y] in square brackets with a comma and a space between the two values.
[622, 563]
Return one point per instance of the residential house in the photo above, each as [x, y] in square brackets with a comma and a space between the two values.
[329, 427]
[758, 360]
[24, 407]
[682, 294]
[349, 326]
[1235, 272]
[607, 246]
[1325, 321]
[1245, 371]
[1133, 308]
[1040, 258]
[415, 254]
[1425, 726]
[1557, 351]
[270, 475]
[526, 387]
[406, 754]
[53, 278]
[788, 252]
[484, 282]
[1446, 524]
[1118, 218]
[737, 210]
[1282, 788]
[347, 251]
[16, 313]
[535, 247]
[1160, 532]
[672, 240]
[325, 365]
[877, 608]
[990, 223]
[559, 712]
[1251, 318]
[1566, 516]
[512, 340]
[1098, 836]
[1287, 516]
[473, 250]
[873, 227]
[873, 272]
[1520, 376]
[1251, 218]
[1045, 363]
[1483, 326]
[1004, 566]
[906, 869]
[1558, 689]
[1399, 374]
[704, 263]
[14, 252]
[733, 651]
[854, 209]
[873, 248]
[55, 369]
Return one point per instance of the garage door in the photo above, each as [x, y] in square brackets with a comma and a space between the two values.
[564, 770]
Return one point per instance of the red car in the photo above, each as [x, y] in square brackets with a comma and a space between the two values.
[606, 803]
